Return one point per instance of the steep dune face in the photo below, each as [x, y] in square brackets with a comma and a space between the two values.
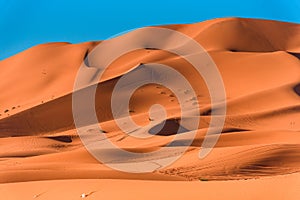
[258, 61]
[39, 75]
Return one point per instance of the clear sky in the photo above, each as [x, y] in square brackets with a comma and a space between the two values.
[26, 23]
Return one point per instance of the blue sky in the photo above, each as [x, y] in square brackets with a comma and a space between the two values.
[26, 23]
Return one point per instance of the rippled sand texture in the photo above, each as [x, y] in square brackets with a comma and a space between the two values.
[257, 155]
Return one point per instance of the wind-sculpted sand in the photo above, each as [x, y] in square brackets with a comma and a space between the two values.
[256, 155]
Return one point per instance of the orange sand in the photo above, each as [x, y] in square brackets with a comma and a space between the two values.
[256, 157]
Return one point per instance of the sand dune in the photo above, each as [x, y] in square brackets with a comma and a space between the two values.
[286, 187]
[258, 147]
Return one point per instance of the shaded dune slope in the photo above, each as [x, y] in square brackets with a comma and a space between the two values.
[260, 66]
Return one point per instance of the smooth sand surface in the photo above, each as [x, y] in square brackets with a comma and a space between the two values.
[282, 187]
[256, 157]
